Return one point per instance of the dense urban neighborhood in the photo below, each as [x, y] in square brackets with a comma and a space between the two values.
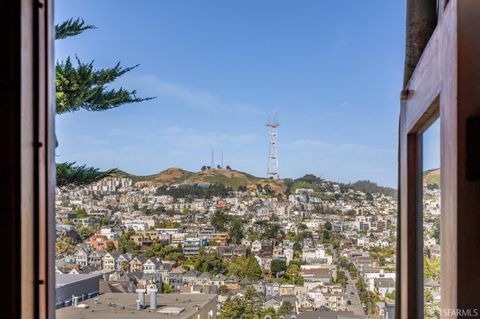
[257, 247]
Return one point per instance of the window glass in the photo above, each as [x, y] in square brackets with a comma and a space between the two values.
[431, 220]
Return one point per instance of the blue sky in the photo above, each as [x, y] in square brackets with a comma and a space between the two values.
[333, 69]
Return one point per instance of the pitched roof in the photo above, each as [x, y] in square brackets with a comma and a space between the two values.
[205, 275]
[233, 279]
[177, 270]
[192, 273]
[219, 277]
[246, 282]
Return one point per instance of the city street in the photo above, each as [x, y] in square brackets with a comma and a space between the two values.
[356, 305]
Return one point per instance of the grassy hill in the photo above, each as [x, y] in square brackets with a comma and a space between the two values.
[235, 179]
[432, 177]
[230, 178]
[168, 176]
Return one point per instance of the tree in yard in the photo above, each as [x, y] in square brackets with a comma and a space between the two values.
[273, 231]
[65, 246]
[328, 226]
[85, 232]
[248, 307]
[286, 308]
[220, 220]
[126, 245]
[154, 250]
[297, 247]
[80, 86]
[166, 288]
[236, 230]
[211, 262]
[237, 266]
[431, 268]
[293, 274]
[81, 212]
[253, 271]
[278, 266]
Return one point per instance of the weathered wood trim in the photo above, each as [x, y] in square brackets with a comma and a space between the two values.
[467, 200]
[446, 81]
[45, 159]
[26, 130]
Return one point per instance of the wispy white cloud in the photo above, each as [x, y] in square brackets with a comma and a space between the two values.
[193, 97]
[191, 138]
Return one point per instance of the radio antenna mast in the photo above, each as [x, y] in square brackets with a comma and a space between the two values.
[272, 124]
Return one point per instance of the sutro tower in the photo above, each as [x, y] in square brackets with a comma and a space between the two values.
[272, 171]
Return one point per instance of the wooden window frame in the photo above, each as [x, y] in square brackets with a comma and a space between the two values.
[445, 83]
[27, 167]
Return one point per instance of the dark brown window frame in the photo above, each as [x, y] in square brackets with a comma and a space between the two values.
[27, 164]
[445, 82]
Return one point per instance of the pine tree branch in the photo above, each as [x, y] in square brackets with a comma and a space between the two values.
[82, 86]
[70, 175]
[71, 27]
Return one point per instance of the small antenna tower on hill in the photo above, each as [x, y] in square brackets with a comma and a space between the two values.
[272, 124]
[213, 160]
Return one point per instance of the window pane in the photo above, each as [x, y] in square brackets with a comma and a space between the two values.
[431, 220]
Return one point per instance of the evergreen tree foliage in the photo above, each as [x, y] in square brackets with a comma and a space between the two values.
[210, 262]
[236, 230]
[126, 245]
[71, 175]
[286, 308]
[278, 266]
[253, 270]
[248, 307]
[71, 27]
[81, 86]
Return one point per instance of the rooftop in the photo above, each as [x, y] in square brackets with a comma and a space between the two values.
[123, 306]
[62, 280]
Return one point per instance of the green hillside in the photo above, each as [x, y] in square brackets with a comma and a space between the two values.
[432, 177]
[229, 178]
[236, 179]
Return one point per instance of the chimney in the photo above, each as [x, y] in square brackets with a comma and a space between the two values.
[75, 301]
[153, 298]
[141, 297]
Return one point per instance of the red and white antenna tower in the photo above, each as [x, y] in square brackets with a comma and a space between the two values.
[272, 170]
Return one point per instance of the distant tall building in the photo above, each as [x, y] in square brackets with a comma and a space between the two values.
[272, 170]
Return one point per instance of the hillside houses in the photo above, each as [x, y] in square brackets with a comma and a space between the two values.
[166, 234]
